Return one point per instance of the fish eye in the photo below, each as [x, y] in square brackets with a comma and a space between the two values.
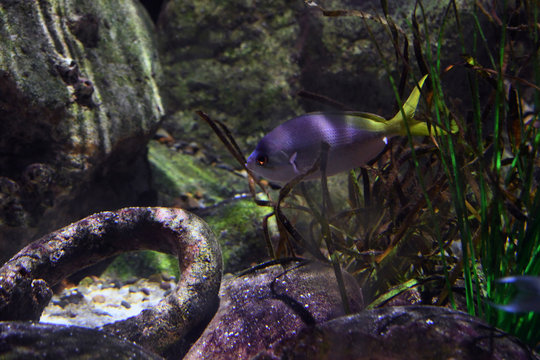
[262, 160]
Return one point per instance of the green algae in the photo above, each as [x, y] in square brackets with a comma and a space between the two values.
[175, 174]
[237, 225]
[235, 221]
[142, 264]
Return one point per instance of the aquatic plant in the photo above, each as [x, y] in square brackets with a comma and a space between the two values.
[493, 167]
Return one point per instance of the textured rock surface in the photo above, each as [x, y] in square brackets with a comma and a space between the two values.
[215, 194]
[266, 306]
[26, 340]
[236, 60]
[340, 59]
[406, 332]
[238, 224]
[186, 181]
[78, 101]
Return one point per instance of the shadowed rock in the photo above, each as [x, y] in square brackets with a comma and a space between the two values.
[26, 340]
[78, 102]
[26, 279]
[405, 332]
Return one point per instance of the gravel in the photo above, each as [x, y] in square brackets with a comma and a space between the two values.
[96, 302]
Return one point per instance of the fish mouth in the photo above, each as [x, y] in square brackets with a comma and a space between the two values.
[250, 168]
[250, 162]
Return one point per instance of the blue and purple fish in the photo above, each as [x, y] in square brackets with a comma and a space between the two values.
[527, 296]
[354, 138]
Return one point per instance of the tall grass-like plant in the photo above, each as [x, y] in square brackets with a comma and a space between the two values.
[492, 165]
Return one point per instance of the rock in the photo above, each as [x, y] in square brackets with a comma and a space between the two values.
[235, 60]
[27, 278]
[165, 286]
[405, 332]
[27, 340]
[267, 305]
[141, 264]
[100, 299]
[176, 174]
[239, 225]
[125, 304]
[236, 219]
[250, 77]
[340, 59]
[74, 297]
[78, 102]
[145, 291]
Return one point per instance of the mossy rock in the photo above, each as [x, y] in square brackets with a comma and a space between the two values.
[233, 216]
[78, 102]
[142, 264]
[238, 227]
[176, 174]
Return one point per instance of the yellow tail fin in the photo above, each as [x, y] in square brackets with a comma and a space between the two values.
[416, 128]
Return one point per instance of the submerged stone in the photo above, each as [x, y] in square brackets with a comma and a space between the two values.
[27, 340]
[268, 305]
[235, 60]
[406, 332]
[78, 102]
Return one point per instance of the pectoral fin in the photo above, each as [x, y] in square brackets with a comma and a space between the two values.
[292, 161]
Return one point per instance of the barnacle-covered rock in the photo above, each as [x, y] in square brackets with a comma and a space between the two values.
[78, 101]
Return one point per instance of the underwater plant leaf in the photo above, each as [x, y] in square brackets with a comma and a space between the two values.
[384, 6]
[323, 100]
[393, 292]
[284, 226]
[353, 188]
[346, 12]
[225, 137]
[266, 232]
[513, 118]
[420, 60]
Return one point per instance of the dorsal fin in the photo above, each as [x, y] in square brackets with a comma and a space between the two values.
[368, 116]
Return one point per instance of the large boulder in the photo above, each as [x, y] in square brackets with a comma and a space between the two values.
[266, 306]
[27, 340]
[78, 102]
[404, 332]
